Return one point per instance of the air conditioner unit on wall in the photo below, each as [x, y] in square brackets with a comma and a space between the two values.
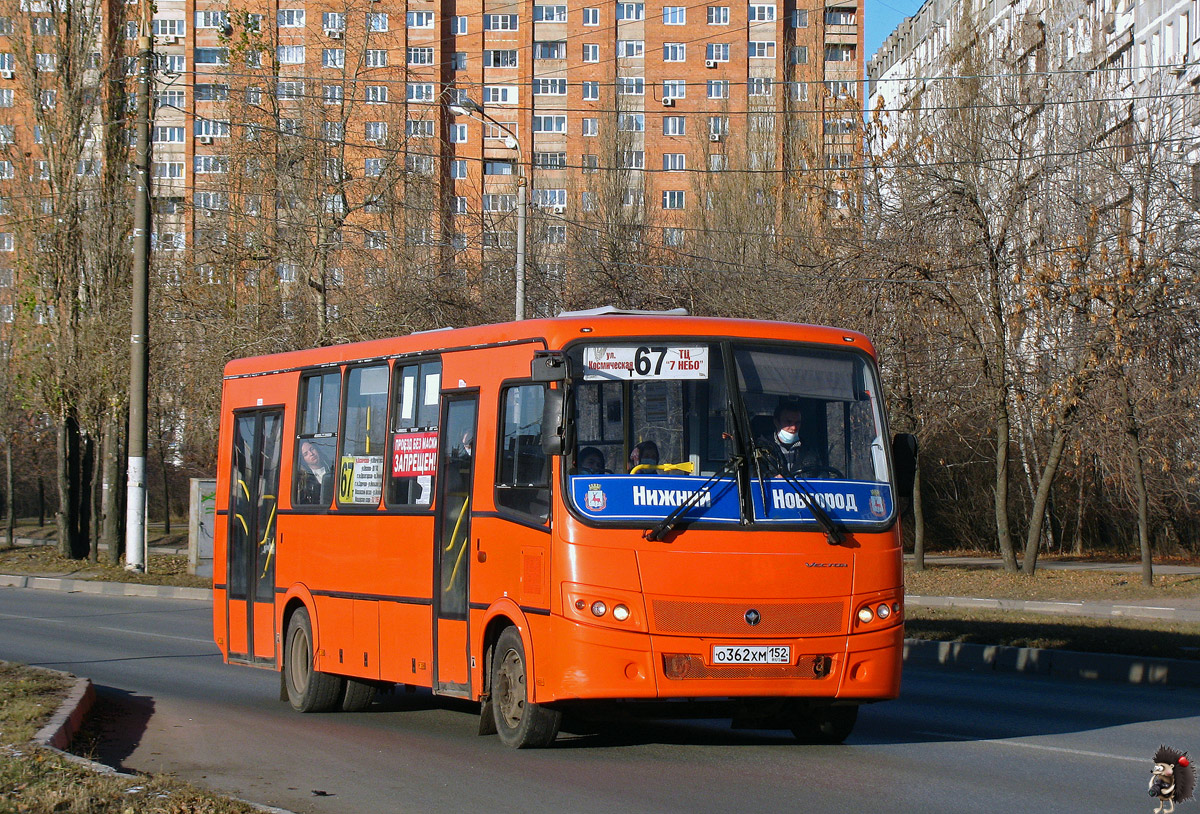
[668, 101]
[558, 209]
[714, 136]
[170, 40]
[710, 63]
[205, 139]
[333, 33]
[6, 74]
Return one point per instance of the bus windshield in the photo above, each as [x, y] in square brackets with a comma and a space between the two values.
[655, 423]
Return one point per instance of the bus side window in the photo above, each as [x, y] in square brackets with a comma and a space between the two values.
[360, 469]
[315, 473]
[523, 479]
[413, 435]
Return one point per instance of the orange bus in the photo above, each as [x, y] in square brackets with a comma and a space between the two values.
[602, 506]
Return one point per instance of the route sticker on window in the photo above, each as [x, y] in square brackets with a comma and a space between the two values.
[627, 362]
[360, 479]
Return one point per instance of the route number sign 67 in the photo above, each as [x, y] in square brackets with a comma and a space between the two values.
[626, 362]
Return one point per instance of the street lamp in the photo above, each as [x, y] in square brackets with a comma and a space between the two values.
[465, 106]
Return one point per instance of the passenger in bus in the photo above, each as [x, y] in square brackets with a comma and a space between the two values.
[785, 448]
[590, 462]
[644, 454]
[315, 482]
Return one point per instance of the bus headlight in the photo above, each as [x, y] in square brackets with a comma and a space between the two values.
[599, 608]
[865, 614]
[620, 613]
[883, 611]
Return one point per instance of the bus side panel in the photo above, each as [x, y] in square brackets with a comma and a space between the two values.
[405, 653]
[219, 617]
[334, 639]
[365, 663]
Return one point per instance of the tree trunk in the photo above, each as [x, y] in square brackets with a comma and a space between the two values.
[1133, 432]
[10, 522]
[918, 523]
[166, 484]
[86, 497]
[1041, 499]
[110, 505]
[1003, 535]
[64, 518]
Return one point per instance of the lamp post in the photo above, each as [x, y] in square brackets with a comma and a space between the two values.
[465, 106]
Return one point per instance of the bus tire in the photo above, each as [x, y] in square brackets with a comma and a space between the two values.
[827, 725]
[520, 723]
[307, 689]
[358, 695]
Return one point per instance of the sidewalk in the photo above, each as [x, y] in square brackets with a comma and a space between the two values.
[994, 562]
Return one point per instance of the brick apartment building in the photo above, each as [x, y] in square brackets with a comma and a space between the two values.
[288, 129]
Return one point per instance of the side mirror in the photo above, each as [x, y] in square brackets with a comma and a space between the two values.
[552, 421]
[904, 458]
[549, 366]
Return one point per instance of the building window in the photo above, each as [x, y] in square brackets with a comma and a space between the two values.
[333, 21]
[497, 168]
[290, 55]
[549, 14]
[376, 131]
[674, 126]
[633, 160]
[718, 126]
[799, 55]
[290, 89]
[717, 52]
[674, 15]
[458, 134]
[591, 163]
[759, 86]
[800, 18]
[673, 199]
[550, 49]
[377, 21]
[458, 168]
[210, 19]
[419, 91]
[210, 164]
[549, 124]
[762, 14]
[631, 11]
[631, 86]
[718, 89]
[674, 52]
[549, 197]
[718, 15]
[630, 49]
[376, 94]
[500, 59]
[550, 161]
[420, 56]
[674, 89]
[672, 237]
[373, 167]
[839, 127]
[499, 22]
[631, 122]
[419, 128]
[333, 58]
[591, 16]
[717, 162]
[375, 58]
[842, 88]
[496, 202]
[211, 56]
[460, 25]
[840, 16]
[591, 127]
[591, 91]
[290, 18]
[421, 19]
[839, 53]
[674, 162]
[375, 239]
[591, 52]
[760, 49]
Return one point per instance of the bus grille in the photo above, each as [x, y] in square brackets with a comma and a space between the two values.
[729, 618]
[683, 667]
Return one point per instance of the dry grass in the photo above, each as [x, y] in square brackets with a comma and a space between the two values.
[1048, 584]
[35, 780]
[44, 560]
[1131, 637]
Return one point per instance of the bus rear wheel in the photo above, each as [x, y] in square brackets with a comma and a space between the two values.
[520, 723]
[358, 695]
[829, 725]
[307, 689]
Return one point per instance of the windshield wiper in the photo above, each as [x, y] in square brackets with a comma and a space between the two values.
[833, 532]
[663, 526]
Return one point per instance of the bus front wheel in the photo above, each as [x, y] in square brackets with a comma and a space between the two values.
[829, 725]
[307, 689]
[520, 723]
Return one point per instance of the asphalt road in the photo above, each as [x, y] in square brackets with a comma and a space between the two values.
[954, 742]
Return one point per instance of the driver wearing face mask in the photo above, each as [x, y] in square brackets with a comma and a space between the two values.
[788, 451]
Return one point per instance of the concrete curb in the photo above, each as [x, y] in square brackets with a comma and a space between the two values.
[88, 586]
[1096, 610]
[56, 735]
[1066, 664]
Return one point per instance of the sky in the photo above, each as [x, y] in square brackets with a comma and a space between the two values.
[882, 18]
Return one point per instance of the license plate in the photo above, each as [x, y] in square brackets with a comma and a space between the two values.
[751, 654]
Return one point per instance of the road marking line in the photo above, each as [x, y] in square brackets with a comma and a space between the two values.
[110, 629]
[1004, 742]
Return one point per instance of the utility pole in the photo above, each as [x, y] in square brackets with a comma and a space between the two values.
[139, 348]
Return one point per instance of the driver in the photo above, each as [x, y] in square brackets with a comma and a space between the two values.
[785, 449]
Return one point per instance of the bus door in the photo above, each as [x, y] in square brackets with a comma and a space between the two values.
[456, 469]
[257, 444]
